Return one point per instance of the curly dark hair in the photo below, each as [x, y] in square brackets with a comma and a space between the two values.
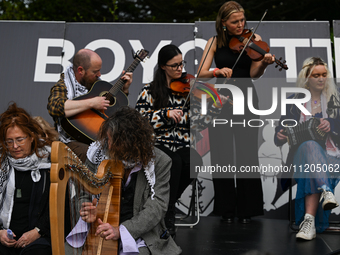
[16, 116]
[131, 136]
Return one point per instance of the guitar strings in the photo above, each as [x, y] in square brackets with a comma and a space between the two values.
[115, 89]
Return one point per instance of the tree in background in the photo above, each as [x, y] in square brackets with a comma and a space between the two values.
[179, 11]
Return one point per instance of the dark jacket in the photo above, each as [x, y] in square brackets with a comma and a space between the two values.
[292, 112]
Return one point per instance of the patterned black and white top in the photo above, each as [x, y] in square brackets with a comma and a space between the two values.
[168, 133]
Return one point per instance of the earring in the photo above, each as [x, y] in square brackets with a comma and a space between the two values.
[224, 28]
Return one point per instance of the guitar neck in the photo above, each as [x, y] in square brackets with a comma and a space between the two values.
[120, 83]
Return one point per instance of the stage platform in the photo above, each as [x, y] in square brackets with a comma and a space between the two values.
[211, 236]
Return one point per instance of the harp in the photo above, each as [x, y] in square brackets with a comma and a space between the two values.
[65, 167]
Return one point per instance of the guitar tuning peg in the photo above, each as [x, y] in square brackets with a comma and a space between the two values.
[276, 66]
[280, 69]
[284, 61]
[135, 54]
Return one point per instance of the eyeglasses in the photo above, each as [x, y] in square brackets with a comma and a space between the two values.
[18, 141]
[174, 67]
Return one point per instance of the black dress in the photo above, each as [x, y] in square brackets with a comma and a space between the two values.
[236, 145]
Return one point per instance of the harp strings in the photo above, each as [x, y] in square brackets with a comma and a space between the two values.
[77, 190]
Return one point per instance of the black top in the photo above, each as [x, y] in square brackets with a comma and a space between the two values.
[128, 194]
[22, 198]
[225, 57]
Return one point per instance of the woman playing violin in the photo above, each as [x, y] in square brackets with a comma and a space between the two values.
[168, 113]
[230, 22]
[246, 200]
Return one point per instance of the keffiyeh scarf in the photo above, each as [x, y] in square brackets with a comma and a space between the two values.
[96, 154]
[74, 89]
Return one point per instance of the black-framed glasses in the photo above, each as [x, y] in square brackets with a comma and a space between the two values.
[18, 141]
[174, 67]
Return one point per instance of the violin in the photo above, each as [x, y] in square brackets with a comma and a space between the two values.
[255, 49]
[182, 86]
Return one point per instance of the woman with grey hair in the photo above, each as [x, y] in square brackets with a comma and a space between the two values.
[314, 161]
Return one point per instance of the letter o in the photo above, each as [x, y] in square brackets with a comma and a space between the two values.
[118, 53]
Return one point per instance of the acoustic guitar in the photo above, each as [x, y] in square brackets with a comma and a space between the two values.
[84, 126]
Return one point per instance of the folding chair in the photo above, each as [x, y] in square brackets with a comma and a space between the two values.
[193, 216]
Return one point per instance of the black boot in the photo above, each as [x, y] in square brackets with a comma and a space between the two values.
[170, 220]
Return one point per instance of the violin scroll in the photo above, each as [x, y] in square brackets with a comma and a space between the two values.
[282, 64]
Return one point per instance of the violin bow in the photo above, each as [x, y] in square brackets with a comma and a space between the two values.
[199, 71]
[246, 45]
[191, 87]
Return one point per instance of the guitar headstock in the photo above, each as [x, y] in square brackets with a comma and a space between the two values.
[281, 64]
[141, 54]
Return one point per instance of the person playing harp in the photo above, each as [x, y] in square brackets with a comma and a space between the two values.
[128, 137]
[314, 184]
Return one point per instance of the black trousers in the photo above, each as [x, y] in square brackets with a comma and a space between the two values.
[236, 145]
[80, 149]
[180, 169]
[29, 250]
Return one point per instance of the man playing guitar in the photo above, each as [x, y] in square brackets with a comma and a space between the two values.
[76, 81]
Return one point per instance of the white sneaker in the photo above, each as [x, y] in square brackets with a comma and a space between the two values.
[329, 201]
[307, 229]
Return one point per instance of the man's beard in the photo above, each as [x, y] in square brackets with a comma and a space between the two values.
[86, 83]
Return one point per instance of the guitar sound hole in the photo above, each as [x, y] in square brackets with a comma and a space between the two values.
[109, 97]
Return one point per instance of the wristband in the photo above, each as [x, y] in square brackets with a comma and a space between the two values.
[214, 72]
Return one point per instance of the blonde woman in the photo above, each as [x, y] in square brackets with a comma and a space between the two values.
[240, 144]
[314, 160]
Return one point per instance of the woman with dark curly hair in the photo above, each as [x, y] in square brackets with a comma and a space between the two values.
[24, 184]
[127, 136]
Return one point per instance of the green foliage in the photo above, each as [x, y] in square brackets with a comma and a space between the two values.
[12, 10]
[181, 11]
